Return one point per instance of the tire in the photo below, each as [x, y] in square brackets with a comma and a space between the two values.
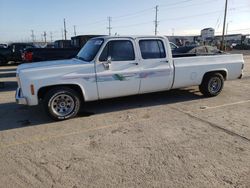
[212, 85]
[62, 103]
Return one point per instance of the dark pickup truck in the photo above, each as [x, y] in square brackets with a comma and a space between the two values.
[47, 54]
[13, 52]
[64, 49]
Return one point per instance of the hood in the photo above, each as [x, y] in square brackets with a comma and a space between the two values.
[49, 64]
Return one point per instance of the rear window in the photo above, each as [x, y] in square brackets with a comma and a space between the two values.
[152, 49]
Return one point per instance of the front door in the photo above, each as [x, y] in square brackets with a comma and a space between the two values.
[117, 70]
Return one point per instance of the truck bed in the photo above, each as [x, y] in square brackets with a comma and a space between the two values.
[189, 71]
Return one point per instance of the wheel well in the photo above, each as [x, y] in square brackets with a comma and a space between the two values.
[223, 73]
[42, 91]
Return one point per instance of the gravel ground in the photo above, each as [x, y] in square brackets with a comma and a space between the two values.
[169, 139]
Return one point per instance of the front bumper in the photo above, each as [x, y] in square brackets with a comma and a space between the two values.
[20, 99]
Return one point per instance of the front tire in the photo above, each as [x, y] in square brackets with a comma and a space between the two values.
[62, 103]
[212, 85]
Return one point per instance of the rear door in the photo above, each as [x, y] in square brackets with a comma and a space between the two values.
[117, 69]
[156, 70]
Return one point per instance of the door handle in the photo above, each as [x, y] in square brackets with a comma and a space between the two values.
[164, 61]
[134, 63]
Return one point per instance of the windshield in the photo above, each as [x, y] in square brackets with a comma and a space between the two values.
[90, 49]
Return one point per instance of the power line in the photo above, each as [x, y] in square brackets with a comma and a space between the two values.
[145, 11]
[192, 16]
[190, 5]
[172, 19]
[177, 3]
[116, 18]
[96, 22]
[133, 25]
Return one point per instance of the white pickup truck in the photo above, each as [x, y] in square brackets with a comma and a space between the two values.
[109, 66]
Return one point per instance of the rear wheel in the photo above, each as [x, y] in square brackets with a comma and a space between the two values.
[62, 103]
[212, 85]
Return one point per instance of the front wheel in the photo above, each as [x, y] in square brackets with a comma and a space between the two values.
[62, 103]
[212, 85]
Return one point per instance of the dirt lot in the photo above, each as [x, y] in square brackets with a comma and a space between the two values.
[169, 139]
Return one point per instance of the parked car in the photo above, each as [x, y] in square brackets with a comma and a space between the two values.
[13, 52]
[109, 66]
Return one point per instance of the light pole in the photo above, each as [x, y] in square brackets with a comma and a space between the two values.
[226, 39]
[224, 24]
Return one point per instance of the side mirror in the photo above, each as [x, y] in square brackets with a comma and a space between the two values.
[109, 59]
[107, 63]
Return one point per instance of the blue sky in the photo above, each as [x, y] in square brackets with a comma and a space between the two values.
[19, 17]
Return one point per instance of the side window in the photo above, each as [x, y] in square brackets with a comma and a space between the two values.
[152, 49]
[118, 50]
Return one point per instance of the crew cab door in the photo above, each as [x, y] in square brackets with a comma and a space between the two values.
[117, 69]
[156, 67]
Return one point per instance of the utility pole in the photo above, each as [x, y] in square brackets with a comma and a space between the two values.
[65, 31]
[156, 19]
[74, 30]
[109, 27]
[51, 37]
[44, 34]
[224, 25]
[32, 36]
[62, 33]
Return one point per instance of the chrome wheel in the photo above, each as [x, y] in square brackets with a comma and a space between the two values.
[62, 104]
[214, 85]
